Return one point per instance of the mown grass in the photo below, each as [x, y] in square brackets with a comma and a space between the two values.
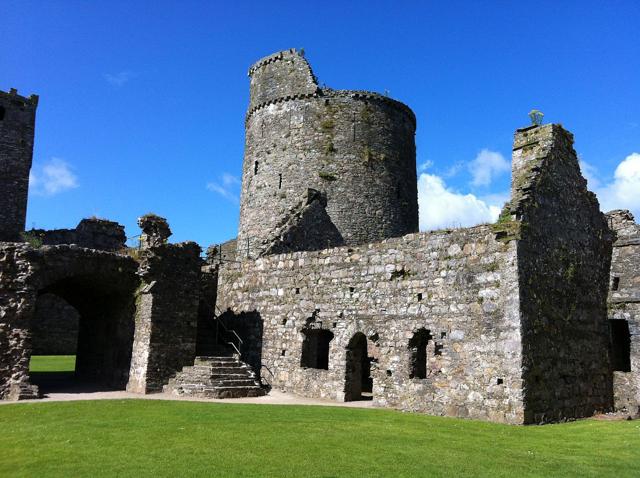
[179, 438]
[52, 363]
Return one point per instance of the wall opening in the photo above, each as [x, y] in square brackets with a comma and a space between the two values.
[315, 348]
[255, 167]
[418, 353]
[615, 283]
[102, 335]
[280, 181]
[358, 381]
[2, 110]
[620, 345]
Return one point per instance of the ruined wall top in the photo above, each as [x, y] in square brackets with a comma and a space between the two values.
[92, 233]
[155, 230]
[622, 222]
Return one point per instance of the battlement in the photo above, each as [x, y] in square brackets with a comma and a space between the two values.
[13, 96]
[294, 79]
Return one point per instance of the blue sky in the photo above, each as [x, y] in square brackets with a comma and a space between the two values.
[142, 103]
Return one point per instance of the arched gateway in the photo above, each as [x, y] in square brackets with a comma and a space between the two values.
[99, 285]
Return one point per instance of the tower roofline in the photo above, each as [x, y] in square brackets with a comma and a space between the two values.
[12, 94]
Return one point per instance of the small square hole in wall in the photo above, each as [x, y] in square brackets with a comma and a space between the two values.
[297, 290]
[500, 381]
[437, 349]
[420, 297]
[615, 283]
[443, 335]
[335, 324]
[389, 373]
[283, 353]
[284, 321]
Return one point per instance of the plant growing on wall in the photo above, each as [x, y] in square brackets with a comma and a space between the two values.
[536, 117]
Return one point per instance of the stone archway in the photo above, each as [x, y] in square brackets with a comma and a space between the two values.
[358, 382]
[99, 285]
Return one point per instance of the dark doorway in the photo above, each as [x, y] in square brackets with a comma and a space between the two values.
[620, 345]
[315, 348]
[418, 353]
[358, 381]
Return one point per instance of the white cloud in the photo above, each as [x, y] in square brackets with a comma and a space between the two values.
[51, 178]
[426, 165]
[442, 207]
[227, 187]
[487, 165]
[623, 192]
[590, 173]
[119, 79]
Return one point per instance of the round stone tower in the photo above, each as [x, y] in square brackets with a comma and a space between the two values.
[355, 147]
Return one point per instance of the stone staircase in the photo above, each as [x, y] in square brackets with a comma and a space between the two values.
[220, 376]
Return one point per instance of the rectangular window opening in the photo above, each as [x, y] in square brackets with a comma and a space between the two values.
[615, 283]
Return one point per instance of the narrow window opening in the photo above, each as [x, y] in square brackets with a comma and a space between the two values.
[418, 353]
[443, 335]
[437, 350]
[620, 345]
[335, 324]
[615, 283]
[297, 290]
[279, 181]
[255, 167]
[500, 381]
[315, 348]
[284, 321]
[389, 373]
[283, 353]
[420, 297]
[1, 113]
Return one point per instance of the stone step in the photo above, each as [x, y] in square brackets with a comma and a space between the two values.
[240, 382]
[215, 376]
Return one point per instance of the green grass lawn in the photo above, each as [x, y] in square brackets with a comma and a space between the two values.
[169, 438]
[52, 363]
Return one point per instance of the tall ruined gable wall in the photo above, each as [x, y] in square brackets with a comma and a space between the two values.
[460, 285]
[564, 251]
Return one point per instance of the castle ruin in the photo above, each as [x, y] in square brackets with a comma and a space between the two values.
[329, 290]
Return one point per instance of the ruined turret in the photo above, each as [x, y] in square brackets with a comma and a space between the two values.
[155, 230]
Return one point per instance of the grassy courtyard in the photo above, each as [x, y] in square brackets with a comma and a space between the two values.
[169, 438]
[52, 363]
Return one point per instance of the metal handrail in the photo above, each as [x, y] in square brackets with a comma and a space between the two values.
[263, 366]
[218, 319]
[235, 348]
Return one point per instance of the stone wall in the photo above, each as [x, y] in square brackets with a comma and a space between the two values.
[459, 285]
[564, 251]
[166, 314]
[624, 309]
[17, 125]
[54, 328]
[92, 233]
[356, 148]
